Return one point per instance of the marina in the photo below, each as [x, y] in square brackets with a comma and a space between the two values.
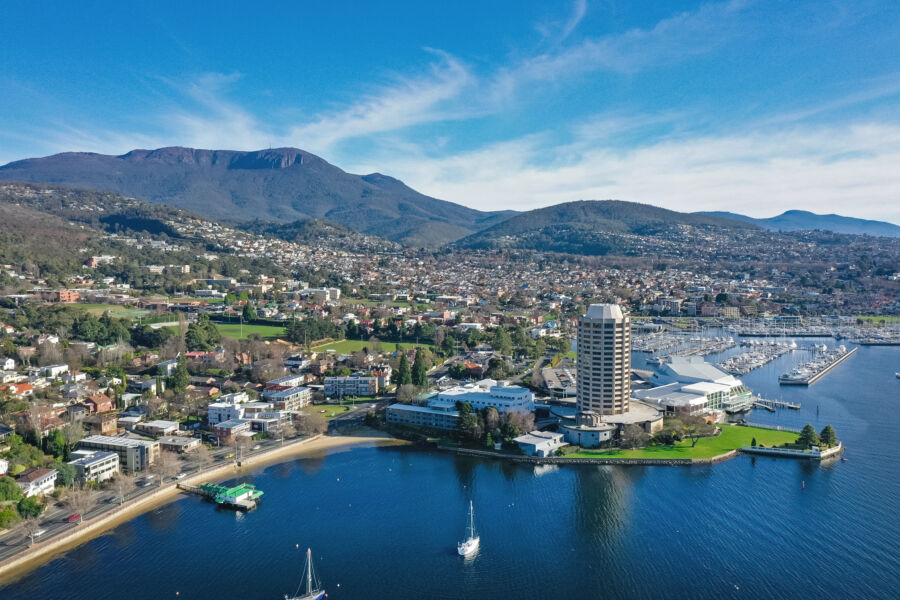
[816, 368]
[760, 354]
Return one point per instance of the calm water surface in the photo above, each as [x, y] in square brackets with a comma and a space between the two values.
[383, 522]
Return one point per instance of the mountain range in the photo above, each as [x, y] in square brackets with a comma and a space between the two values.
[801, 220]
[288, 185]
[281, 184]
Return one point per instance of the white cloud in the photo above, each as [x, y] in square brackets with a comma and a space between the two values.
[848, 169]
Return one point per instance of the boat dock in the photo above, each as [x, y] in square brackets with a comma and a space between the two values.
[816, 368]
[243, 496]
[771, 405]
[812, 454]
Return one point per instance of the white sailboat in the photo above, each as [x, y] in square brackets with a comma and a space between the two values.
[470, 544]
[314, 589]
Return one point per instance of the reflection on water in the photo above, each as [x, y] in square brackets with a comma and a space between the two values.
[384, 523]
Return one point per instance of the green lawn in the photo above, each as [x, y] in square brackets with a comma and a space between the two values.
[331, 410]
[189, 300]
[116, 310]
[880, 318]
[233, 330]
[348, 346]
[731, 438]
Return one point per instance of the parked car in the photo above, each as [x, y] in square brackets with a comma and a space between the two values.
[73, 518]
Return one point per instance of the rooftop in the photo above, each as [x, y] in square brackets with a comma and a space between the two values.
[605, 311]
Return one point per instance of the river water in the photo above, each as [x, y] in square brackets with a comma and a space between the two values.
[383, 522]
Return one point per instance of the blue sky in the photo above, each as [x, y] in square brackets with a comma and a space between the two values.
[746, 105]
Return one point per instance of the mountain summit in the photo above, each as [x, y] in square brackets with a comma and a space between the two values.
[278, 184]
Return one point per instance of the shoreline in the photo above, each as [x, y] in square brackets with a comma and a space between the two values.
[41, 553]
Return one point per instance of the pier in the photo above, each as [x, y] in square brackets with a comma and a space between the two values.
[812, 454]
[243, 496]
[815, 369]
[771, 405]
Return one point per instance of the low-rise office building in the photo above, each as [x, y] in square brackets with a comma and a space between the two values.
[488, 392]
[435, 415]
[157, 428]
[227, 431]
[178, 443]
[134, 455]
[95, 465]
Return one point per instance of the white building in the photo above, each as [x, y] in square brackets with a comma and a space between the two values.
[353, 385]
[290, 399]
[219, 412]
[37, 482]
[95, 465]
[4, 466]
[134, 455]
[540, 443]
[487, 392]
[53, 371]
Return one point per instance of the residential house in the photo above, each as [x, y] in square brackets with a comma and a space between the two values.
[37, 481]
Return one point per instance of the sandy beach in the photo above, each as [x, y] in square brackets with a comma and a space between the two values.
[43, 552]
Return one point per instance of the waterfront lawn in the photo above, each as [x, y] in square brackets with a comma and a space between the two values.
[731, 438]
[349, 346]
[331, 410]
[233, 330]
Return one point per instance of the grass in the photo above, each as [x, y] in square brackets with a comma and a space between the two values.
[116, 310]
[331, 410]
[233, 330]
[348, 346]
[731, 438]
[188, 300]
[876, 319]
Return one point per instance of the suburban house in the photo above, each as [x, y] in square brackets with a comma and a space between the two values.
[37, 481]
[99, 403]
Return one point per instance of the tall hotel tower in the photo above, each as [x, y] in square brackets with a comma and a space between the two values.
[604, 360]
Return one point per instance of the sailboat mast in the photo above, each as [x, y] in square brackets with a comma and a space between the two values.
[309, 571]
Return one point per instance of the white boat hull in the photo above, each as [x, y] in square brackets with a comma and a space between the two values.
[468, 547]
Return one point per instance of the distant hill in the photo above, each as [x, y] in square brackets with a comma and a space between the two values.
[282, 184]
[597, 227]
[801, 220]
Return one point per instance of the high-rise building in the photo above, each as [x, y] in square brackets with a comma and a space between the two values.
[604, 360]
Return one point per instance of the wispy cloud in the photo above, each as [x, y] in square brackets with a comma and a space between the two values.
[764, 172]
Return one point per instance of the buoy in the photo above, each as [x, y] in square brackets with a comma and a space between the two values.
[803, 485]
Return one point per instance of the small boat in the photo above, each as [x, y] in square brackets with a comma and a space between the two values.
[314, 589]
[470, 545]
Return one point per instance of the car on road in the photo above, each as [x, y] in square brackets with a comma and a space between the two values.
[181, 476]
[73, 518]
[256, 447]
[40, 532]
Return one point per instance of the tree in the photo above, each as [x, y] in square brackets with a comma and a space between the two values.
[828, 437]
[249, 312]
[182, 377]
[72, 433]
[406, 393]
[30, 507]
[502, 342]
[312, 423]
[419, 370]
[753, 442]
[491, 418]
[695, 428]
[497, 368]
[808, 437]
[458, 371]
[82, 500]
[202, 457]
[66, 473]
[516, 423]
[489, 440]
[30, 527]
[468, 426]
[167, 466]
[121, 485]
[633, 436]
[9, 491]
[404, 374]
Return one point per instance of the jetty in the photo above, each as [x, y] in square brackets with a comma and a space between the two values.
[773, 404]
[816, 368]
[243, 496]
[815, 453]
